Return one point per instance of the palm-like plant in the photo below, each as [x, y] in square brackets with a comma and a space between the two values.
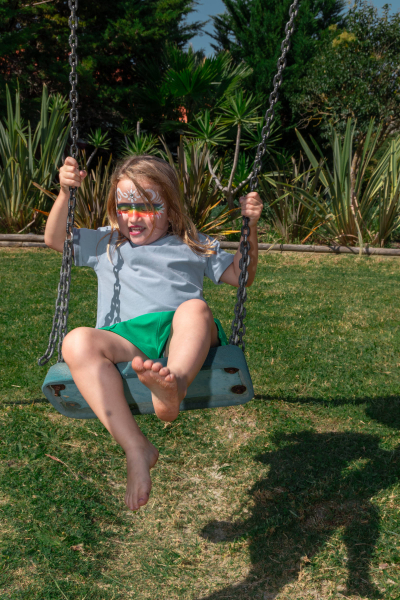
[236, 113]
[99, 140]
[142, 144]
[27, 156]
[201, 200]
[253, 136]
[125, 129]
[182, 83]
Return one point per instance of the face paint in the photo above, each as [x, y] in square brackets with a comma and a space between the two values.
[130, 201]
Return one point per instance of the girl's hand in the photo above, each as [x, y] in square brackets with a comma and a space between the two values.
[251, 206]
[69, 174]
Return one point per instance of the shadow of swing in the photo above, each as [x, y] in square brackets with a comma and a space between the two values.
[384, 410]
[317, 483]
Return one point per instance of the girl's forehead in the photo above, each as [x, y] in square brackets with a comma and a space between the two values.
[126, 184]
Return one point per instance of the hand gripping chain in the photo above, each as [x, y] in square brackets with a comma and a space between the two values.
[238, 326]
[60, 320]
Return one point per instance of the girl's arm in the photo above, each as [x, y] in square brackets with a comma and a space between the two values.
[251, 207]
[55, 232]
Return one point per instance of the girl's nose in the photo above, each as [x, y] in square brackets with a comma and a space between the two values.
[134, 216]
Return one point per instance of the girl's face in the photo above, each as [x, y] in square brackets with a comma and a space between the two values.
[136, 220]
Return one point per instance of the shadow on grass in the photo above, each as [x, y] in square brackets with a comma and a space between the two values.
[26, 402]
[317, 483]
[385, 410]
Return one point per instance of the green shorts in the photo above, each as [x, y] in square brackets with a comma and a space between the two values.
[150, 332]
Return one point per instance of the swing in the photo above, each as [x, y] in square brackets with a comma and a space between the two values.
[224, 379]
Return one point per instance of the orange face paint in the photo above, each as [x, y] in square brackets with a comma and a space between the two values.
[129, 202]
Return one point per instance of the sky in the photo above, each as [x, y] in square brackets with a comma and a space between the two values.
[207, 8]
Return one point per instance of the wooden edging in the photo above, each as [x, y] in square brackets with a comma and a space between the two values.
[19, 240]
[37, 241]
[367, 250]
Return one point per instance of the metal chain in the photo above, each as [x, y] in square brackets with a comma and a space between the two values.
[238, 326]
[60, 320]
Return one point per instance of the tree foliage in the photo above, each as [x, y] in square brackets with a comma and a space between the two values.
[179, 84]
[114, 38]
[356, 74]
[253, 30]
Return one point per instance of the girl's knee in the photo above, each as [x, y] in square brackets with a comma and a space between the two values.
[77, 344]
[195, 306]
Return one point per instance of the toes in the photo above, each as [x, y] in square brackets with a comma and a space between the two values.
[137, 364]
[143, 500]
[170, 378]
[148, 364]
[130, 504]
[164, 371]
[156, 367]
[135, 506]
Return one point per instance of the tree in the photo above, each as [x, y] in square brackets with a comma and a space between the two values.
[356, 75]
[252, 30]
[114, 37]
[180, 84]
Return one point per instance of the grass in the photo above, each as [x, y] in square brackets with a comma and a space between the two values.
[293, 496]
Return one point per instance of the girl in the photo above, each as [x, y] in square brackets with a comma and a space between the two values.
[150, 263]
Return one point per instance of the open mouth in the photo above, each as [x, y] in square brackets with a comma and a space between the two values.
[136, 230]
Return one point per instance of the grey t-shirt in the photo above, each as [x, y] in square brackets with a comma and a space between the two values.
[144, 279]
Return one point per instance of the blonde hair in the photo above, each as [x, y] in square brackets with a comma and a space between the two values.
[165, 177]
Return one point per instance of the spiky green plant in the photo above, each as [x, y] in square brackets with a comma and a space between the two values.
[141, 144]
[201, 199]
[99, 140]
[384, 193]
[91, 201]
[291, 219]
[345, 202]
[91, 196]
[28, 156]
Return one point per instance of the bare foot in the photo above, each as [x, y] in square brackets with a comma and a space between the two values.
[167, 391]
[139, 460]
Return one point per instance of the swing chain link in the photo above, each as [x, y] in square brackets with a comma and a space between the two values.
[238, 326]
[59, 327]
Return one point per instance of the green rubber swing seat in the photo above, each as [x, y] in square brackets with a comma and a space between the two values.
[224, 380]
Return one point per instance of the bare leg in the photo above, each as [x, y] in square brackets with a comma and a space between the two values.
[194, 332]
[91, 355]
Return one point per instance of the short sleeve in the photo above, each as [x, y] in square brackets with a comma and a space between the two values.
[88, 244]
[217, 263]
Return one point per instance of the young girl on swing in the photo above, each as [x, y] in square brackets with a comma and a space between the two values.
[150, 263]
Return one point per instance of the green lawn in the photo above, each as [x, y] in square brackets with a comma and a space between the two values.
[292, 496]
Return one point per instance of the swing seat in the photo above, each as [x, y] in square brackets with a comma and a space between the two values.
[224, 380]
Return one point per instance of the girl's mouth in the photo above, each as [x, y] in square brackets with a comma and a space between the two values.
[136, 230]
